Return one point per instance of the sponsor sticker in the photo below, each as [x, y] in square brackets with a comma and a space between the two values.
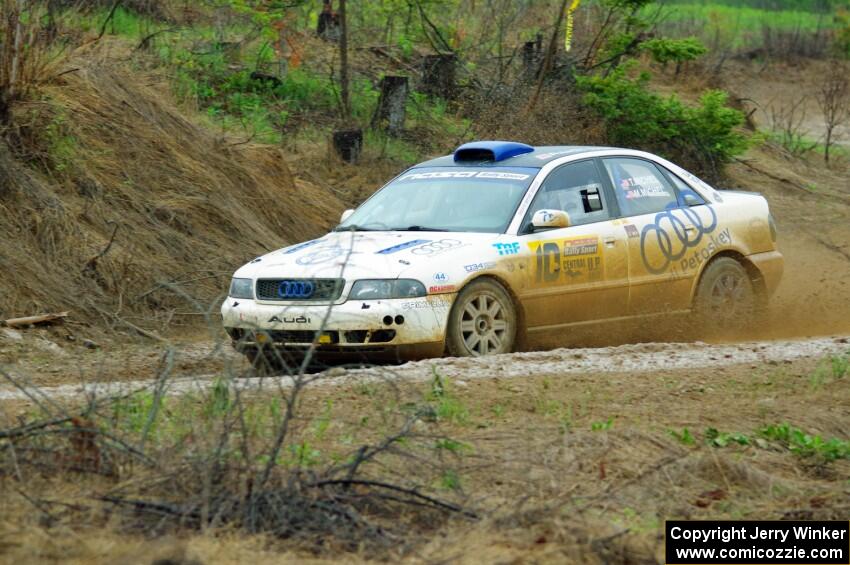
[544, 156]
[646, 186]
[431, 248]
[439, 301]
[441, 288]
[507, 248]
[576, 259]
[479, 267]
[492, 175]
[402, 246]
[668, 239]
[300, 246]
[322, 255]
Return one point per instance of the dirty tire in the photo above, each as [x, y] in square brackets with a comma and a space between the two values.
[483, 321]
[725, 301]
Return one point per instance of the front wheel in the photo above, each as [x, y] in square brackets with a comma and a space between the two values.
[725, 301]
[483, 321]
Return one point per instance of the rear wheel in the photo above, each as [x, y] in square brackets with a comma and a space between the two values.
[483, 321]
[725, 300]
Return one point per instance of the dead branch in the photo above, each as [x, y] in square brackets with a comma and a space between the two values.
[410, 492]
[145, 42]
[24, 431]
[91, 264]
[132, 326]
[33, 320]
[108, 19]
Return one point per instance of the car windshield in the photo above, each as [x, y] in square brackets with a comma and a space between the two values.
[457, 199]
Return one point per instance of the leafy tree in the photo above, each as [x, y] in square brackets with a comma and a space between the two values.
[677, 51]
[704, 135]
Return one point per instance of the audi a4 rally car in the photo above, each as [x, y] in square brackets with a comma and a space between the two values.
[476, 252]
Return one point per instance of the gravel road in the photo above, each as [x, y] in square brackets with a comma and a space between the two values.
[637, 358]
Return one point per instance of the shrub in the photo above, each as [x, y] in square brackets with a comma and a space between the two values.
[704, 136]
[674, 50]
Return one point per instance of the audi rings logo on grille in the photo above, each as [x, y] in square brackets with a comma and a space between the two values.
[296, 289]
[436, 247]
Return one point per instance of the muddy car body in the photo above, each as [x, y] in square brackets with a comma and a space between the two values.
[480, 251]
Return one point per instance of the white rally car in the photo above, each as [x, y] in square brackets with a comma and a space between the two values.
[480, 251]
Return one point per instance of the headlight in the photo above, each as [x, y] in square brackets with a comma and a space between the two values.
[241, 288]
[376, 289]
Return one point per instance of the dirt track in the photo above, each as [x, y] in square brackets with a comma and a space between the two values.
[637, 358]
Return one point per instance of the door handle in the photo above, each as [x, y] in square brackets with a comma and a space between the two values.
[690, 228]
[610, 241]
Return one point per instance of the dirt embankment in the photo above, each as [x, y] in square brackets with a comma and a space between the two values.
[108, 188]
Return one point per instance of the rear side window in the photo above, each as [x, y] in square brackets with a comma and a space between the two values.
[640, 187]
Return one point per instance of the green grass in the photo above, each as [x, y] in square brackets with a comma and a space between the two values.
[806, 445]
[813, 6]
[742, 26]
[445, 405]
[784, 436]
[209, 72]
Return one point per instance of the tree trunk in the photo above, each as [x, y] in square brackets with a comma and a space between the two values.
[343, 63]
[17, 44]
[550, 56]
[438, 75]
[348, 144]
[827, 144]
[390, 113]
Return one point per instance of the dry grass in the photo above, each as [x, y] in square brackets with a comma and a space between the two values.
[110, 153]
[582, 469]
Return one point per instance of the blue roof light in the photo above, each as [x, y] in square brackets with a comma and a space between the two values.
[491, 150]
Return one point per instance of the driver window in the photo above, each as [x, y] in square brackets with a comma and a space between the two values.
[576, 189]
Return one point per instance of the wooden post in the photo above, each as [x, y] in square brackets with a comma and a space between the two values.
[438, 75]
[390, 113]
[529, 59]
[327, 26]
[348, 144]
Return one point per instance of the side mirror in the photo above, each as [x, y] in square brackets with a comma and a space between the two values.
[345, 215]
[550, 219]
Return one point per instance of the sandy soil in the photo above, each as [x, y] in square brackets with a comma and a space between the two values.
[764, 87]
[582, 467]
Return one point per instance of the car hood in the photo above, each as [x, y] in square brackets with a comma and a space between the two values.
[361, 255]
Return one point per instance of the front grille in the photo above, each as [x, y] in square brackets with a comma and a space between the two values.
[299, 289]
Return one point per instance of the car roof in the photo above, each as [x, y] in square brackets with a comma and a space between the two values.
[536, 158]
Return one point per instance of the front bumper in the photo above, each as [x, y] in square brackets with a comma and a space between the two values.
[417, 325]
